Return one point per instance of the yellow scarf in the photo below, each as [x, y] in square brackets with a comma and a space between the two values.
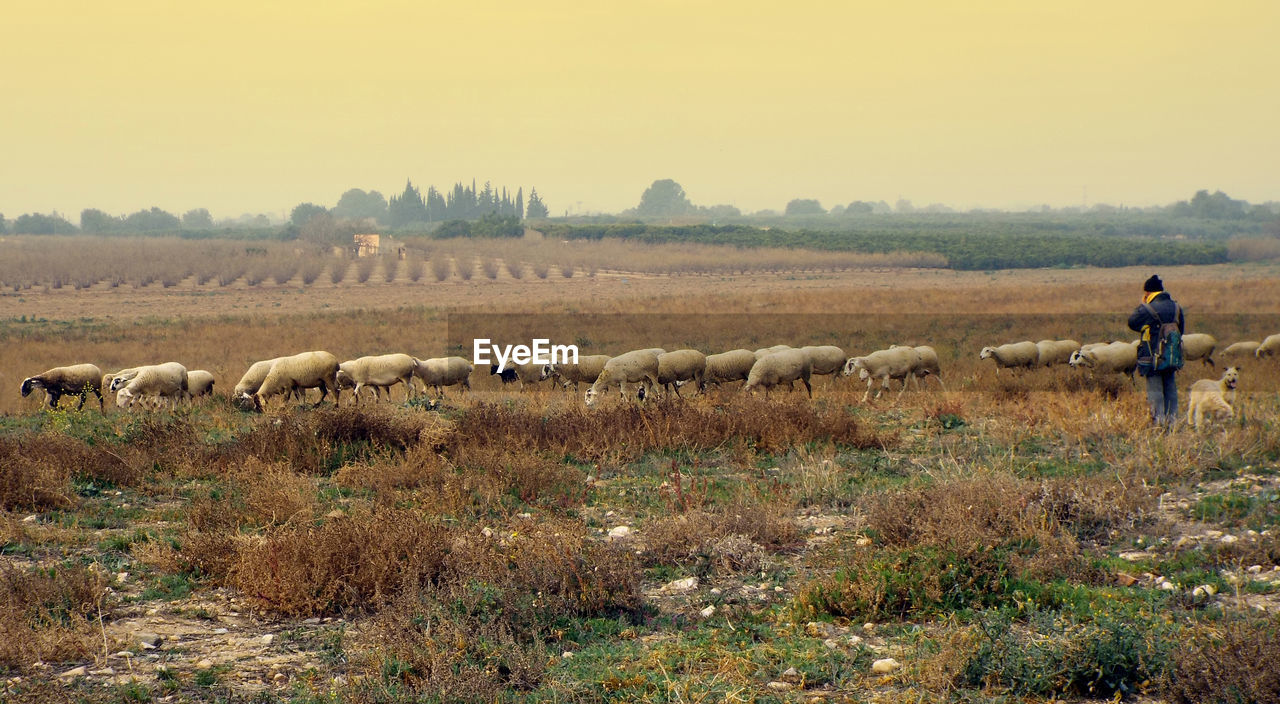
[1151, 296]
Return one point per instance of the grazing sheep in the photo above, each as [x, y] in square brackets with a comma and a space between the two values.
[1241, 349]
[157, 383]
[1270, 346]
[252, 381]
[733, 365]
[783, 367]
[827, 360]
[587, 368]
[681, 365]
[523, 373]
[893, 363]
[439, 372]
[1116, 357]
[199, 383]
[770, 350]
[635, 367]
[1213, 397]
[306, 370]
[378, 371]
[1051, 352]
[59, 381]
[1198, 345]
[1015, 355]
[926, 365]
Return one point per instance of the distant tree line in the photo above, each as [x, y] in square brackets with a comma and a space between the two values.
[969, 251]
[412, 208]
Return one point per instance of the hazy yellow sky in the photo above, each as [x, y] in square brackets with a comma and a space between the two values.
[258, 106]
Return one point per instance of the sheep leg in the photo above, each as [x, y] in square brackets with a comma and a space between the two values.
[52, 397]
[868, 393]
[904, 385]
[808, 387]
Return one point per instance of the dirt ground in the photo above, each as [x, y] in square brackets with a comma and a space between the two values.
[187, 299]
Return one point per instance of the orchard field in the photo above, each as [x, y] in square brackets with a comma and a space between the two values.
[1015, 538]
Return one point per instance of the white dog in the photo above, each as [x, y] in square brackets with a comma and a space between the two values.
[1213, 397]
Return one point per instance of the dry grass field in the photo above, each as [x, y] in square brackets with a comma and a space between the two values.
[1021, 538]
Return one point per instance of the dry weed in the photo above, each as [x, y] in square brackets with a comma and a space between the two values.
[48, 614]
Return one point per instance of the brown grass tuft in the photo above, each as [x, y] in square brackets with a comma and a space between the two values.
[47, 614]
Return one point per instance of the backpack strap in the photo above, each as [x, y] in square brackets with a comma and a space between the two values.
[1156, 315]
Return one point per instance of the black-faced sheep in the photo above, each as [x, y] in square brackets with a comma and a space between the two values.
[306, 370]
[784, 367]
[1213, 397]
[1015, 355]
[635, 367]
[77, 379]
[681, 366]
[439, 372]
[893, 363]
[587, 369]
[524, 373]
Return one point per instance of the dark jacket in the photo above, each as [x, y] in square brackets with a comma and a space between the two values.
[1166, 308]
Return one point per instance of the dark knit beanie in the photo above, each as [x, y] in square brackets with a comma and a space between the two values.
[1153, 284]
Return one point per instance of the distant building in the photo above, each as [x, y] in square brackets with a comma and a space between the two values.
[366, 245]
[371, 245]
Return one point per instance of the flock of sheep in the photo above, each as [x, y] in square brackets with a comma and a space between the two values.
[650, 372]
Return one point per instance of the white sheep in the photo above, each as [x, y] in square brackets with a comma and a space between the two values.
[587, 368]
[1213, 397]
[681, 366]
[770, 350]
[783, 367]
[635, 367]
[306, 370]
[1270, 346]
[252, 381]
[926, 365]
[893, 363]
[74, 379]
[1241, 349]
[1116, 357]
[380, 372]
[439, 372]
[156, 383]
[199, 383]
[734, 365]
[826, 359]
[1051, 352]
[1015, 355]
[1198, 345]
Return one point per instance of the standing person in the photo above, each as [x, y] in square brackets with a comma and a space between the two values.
[1159, 352]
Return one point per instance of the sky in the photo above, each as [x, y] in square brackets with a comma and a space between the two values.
[249, 107]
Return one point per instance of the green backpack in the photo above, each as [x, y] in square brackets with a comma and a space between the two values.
[1162, 342]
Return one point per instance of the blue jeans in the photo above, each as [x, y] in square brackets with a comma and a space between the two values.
[1162, 394]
